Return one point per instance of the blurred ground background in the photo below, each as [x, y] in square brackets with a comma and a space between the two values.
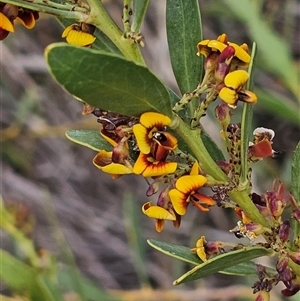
[49, 177]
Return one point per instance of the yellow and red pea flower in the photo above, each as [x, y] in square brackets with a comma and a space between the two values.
[162, 211]
[79, 34]
[186, 191]
[232, 91]
[152, 129]
[154, 144]
[10, 13]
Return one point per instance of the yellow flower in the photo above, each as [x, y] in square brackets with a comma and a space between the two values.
[207, 47]
[147, 166]
[200, 248]
[79, 35]
[151, 130]
[186, 191]
[162, 211]
[233, 89]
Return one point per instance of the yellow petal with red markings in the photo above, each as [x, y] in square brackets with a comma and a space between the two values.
[188, 184]
[157, 212]
[141, 135]
[179, 201]
[152, 119]
[159, 168]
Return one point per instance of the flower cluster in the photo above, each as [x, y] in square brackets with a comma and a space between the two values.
[144, 146]
[223, 59]
[10, 13]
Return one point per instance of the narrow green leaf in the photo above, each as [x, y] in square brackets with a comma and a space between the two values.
[139, 11]
[185, 254]
[20, 278]
[89, 138]
[278, 105]
[222, 262]
[90, 291]
[184, 31]
[107, 81]
[212, 147]
[295, 186]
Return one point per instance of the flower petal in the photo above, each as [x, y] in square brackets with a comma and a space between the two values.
[6, 24]
[80, 38]
[236, 79]
[141, 135]
[247, 96]
[166, 140]
[148, 167]
[159, 168]
[240, 53]
[102, 159]
[262, 149]
[229, 96]
[188, 184]
[151, 120]
[116, 169]
[195, 169]
[26, 18]
[157, 212]
[179, 201]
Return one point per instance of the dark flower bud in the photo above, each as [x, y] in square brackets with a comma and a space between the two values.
[284, 231]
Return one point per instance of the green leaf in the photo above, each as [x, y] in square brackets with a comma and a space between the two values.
[89, 138]
[278, 105]
[184, 31]
[295, 186]
[139, 11]
[222, 262]
[89, 291]
[107, 81]
[20, 278]
[212, 147]
[185, 254]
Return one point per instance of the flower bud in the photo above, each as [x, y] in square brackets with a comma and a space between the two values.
[282, 263]
[223, 64]
[223, 114]
[284, 231]
[295, 256]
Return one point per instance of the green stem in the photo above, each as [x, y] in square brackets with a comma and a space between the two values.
[208, 165]
[99, 17]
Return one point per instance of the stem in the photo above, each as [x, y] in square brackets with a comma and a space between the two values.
[99, 17]
[194, 142]
[61, 13]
